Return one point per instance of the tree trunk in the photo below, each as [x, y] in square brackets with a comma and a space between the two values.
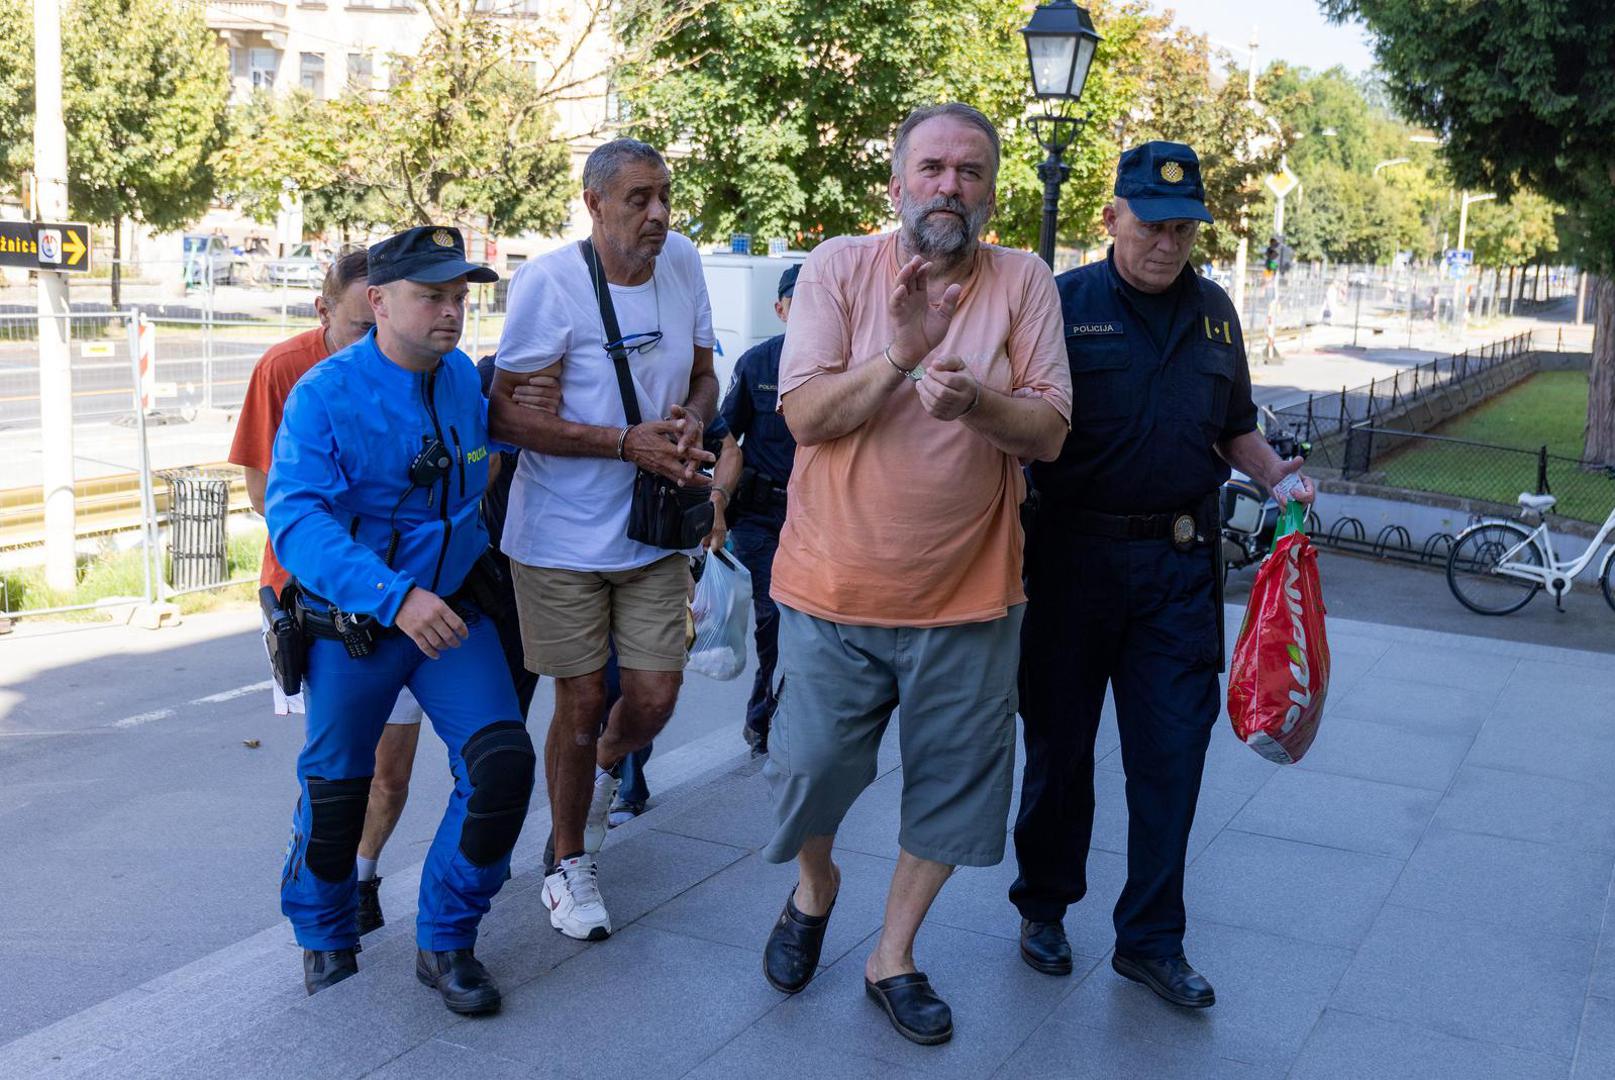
[1601, 380]
[1511, 291]
[117, 261]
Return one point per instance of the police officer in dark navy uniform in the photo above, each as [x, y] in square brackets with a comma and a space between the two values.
[758, 512]
[1123, 581]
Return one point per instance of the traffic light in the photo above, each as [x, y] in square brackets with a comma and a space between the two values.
[1272, 256]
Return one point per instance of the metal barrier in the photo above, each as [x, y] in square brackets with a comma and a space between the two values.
[1441, 388]
[125, 532]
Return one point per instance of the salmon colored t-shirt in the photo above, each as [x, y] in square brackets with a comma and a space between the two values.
[253, 447]
[909, 520]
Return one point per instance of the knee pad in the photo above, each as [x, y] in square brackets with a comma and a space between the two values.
[336, 811]
[499, 764]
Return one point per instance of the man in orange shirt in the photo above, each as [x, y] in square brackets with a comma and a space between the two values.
[345, 317]
[919, 368]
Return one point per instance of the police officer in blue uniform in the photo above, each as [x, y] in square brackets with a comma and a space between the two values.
[374, 506]
[758, 513]
[1122, 576]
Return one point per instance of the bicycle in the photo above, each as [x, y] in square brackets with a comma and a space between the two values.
[1497, 565]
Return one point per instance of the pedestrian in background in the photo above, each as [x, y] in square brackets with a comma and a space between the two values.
[919, 367]
[1124, 574]
[751, 411]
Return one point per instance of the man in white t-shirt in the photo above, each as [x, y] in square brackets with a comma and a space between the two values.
[580, 581]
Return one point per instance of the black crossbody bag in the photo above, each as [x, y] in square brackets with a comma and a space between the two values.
[662, 514]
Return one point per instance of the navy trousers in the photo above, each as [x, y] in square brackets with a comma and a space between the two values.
[755, 539]
[1140, 617]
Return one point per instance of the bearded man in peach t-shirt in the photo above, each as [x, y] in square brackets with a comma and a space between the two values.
[920, 368]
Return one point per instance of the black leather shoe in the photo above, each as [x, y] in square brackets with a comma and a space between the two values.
[327, 967]
[1172, 979]
[459, 976]
[370, 906]
[913, 1007]
[1044, 947]
[792, 954]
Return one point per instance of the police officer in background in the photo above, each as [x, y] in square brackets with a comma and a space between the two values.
[374, 506]
[1122, 569]
[758, 513]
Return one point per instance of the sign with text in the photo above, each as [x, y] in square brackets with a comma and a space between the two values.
[45, 245]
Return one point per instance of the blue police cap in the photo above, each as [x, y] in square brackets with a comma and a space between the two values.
[787, 280]
[1161, 182]
[428, 253]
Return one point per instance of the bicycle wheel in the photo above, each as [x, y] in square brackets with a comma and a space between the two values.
[1607, 578]
[1472, 568]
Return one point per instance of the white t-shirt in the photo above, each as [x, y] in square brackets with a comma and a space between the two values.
[571, 513]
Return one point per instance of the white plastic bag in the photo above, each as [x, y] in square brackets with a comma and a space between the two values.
[722, 609]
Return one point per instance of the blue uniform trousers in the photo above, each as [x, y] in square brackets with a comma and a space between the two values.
[1141, 617]
[468, 697]
[756, 538]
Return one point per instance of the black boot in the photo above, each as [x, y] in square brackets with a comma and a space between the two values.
[459, 976]
[1172, 979]
[370, 917]
[327, 967]
[1045, 948]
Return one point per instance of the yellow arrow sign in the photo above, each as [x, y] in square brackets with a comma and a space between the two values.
[73, 247]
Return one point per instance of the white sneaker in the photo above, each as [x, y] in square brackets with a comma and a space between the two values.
[594, 828]
[572, 894]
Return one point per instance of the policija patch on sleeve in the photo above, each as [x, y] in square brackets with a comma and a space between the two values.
[1219, 330]
[1092, 329]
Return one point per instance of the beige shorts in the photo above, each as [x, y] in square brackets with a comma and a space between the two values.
[569, 618]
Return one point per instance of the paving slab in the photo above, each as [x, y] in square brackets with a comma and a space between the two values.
[1520, 883]
[1318, 894]
[1387, 753]
[1470, 979]
[1548, 810]
[1348, 1045]
[1340, 811]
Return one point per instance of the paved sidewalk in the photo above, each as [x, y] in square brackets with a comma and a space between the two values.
[1427, 896]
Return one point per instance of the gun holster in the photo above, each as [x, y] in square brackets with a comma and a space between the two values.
[288, 649]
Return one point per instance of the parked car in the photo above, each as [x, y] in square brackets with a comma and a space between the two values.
[302, 266]
[209, 258]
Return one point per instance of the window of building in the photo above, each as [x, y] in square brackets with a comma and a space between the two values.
[261, 65]
[361, 71]
[311, 73]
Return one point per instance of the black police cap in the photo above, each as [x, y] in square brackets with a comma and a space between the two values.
[1161, 182]
[787, 280]
[428, 254]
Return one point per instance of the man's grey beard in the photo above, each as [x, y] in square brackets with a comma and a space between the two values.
[941, 236]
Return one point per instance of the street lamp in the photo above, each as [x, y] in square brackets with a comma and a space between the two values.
[1392, 161]
[1060, 44]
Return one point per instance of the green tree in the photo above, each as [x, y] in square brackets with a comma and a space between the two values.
[789, 106]
[16, 90]
[296, 145]
[145, 108]
[1513, 233]
[1524, 94]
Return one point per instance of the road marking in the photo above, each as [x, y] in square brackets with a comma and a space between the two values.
[231, 695]
[144, 718]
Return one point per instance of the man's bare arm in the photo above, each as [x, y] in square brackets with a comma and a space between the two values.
[256, 482]
[651, 445]
[1252, 455]
[833, 404]
[1024, 427]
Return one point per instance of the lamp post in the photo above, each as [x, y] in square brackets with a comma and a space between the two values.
[1060, 44]
[1459, 300]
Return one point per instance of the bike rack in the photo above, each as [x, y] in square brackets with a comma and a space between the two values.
[1382, 542]
[1337, 531]
[1438, 548]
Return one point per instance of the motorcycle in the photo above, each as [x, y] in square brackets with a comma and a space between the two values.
[1250, 515]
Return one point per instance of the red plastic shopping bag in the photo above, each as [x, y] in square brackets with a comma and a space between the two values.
[1280, 673]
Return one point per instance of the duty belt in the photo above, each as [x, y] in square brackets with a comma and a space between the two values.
[1184, 528]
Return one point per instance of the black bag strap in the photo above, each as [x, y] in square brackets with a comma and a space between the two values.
[608, 322]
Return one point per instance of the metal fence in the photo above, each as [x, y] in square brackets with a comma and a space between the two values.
[130, 427]
[1401, 302]
[1419, 461]
[1441, 388]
